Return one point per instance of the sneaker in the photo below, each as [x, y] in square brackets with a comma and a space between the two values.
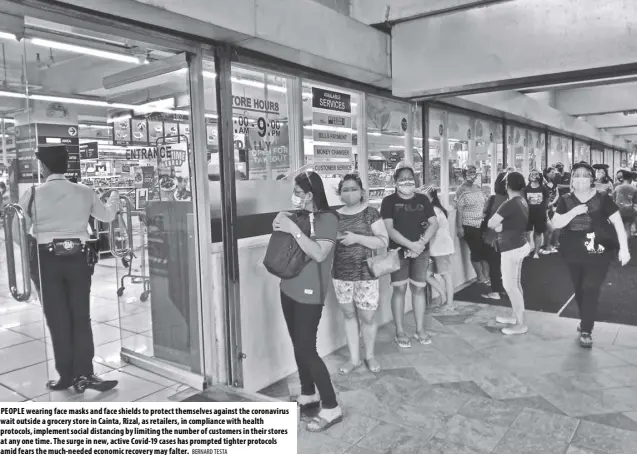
[506, 320]
[536, 256]
[545, 251]
[586, 340]
[492, 295]
[517, 329]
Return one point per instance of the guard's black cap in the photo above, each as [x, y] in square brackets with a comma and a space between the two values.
[54, 157]
[601, 166]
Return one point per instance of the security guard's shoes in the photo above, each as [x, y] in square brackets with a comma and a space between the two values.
[60, 384]
[93, 382]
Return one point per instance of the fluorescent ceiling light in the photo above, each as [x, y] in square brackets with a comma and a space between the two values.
[9, 36]
[396, 146]
[86, 50]
[99, 127]
[12, 94]
[60, 99]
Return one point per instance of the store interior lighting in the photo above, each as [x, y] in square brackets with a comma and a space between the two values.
[87, 51]
[9, 36]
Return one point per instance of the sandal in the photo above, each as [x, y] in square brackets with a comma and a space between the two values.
[402, 341]
[318, 423]
[373, 365]
[422, 339]
[349, 367]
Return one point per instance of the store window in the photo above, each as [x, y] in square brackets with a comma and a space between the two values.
[560, 150]
[608, 159]
[390, 140]
[459, 132]
[597, 156]
[535, 151]
[437, 139]
[517, 151]
[617, 161]
[582, 152]
[482, 150]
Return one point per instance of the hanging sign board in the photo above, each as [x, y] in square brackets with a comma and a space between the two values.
[332, 136]
[331, 101]
[330, 154]
[333, 168]
[88, 151]
[324, 119]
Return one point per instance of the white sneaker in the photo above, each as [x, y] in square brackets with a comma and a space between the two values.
[506, 320]
[492, 296]
[517, 329]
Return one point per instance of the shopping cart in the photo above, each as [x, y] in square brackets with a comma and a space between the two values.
[123, 247]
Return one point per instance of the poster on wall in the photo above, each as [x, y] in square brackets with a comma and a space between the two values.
[261, 136]
[25, 147]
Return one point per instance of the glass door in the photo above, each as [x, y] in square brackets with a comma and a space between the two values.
[26, 357]
[122, 109]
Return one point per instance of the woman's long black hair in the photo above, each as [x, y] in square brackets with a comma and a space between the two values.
[311, 182]
[435, 200]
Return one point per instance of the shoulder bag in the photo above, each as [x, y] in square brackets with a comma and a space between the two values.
[605, 233]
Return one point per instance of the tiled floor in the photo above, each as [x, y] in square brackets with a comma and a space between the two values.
[26, 357]
[475, 390]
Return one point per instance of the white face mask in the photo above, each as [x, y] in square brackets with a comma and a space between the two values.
[407, 187]
[298, 202]
[581, 183]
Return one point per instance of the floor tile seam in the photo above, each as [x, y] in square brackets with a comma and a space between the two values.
[590, 393]
[152, 393]
[15, 391]
[144, 378]
[25, 366]
[23, 334]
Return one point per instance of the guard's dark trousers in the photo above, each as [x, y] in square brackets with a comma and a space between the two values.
[66, 299]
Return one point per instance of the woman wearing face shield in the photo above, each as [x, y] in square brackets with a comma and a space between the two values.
[411, 223]
[578, 213]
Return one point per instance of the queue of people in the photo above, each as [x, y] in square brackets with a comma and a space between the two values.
[552, 211]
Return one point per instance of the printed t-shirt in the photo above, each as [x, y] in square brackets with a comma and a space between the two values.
[515, 218]
[411, 216]
[305, 287]
[577, 238]
[537, 199]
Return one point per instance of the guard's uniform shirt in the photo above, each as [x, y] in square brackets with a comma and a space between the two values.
[61, 210]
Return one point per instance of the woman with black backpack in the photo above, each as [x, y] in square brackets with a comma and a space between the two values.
[303, 295]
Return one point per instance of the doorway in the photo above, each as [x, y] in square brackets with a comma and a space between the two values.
[122, 107]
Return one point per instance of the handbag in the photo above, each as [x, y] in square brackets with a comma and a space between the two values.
[605, 233]
[384, 264]
[485, 222]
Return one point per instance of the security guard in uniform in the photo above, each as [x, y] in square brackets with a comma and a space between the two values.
[57, 213]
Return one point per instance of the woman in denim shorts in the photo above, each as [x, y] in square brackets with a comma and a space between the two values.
[411, 223]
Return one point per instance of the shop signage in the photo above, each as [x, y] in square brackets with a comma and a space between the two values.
[255, 104]
[324, 119]
[329, 154]
[331, 101]
[88, 151]
[168, 154]
[332, 136]
[333, 168]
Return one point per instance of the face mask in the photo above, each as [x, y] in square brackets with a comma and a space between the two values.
[535, 178]
[620, 178]
[351, 197]
[471, 177]
[581, 183]
[407, 188]
[298, 202]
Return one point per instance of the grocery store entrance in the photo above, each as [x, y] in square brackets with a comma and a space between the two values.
[122, 107]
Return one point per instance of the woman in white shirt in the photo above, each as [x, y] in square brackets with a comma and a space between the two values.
[441, 251]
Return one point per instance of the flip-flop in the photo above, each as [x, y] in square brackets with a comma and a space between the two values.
[403, 343]
[322, 424]
[375, 367]
[349, 367]
[423, 340]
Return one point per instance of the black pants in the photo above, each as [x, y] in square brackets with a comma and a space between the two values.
[587, 280]
[495, 267]
[65, 293]
[303, 321]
